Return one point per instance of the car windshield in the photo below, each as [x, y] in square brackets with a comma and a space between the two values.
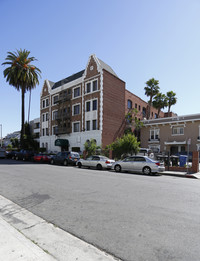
[74, 154]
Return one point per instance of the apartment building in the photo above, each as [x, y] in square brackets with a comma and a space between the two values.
[172, 134]
[35, 129]
[88, 104]
[135, 102]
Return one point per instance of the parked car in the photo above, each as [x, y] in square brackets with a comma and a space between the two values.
[96, 161]
[146, 152]
[141, 164]
[2, 153]
[24, 155]
[65, 158]
[41, 157]
[11, 154]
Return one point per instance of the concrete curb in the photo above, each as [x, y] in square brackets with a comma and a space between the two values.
[181, 174]
[58, 244]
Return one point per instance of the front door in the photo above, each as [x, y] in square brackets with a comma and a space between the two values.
[173, 150]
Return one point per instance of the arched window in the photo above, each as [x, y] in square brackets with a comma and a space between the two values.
[129, 105]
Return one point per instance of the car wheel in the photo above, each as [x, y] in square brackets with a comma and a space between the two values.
[147, 170]
[65, 163]
[99, 167]
[16, 158]
[52, 161]
[79, 165]
[118, 168]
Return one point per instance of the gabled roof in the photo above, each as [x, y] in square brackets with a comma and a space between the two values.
[106, 67]
[68, 79]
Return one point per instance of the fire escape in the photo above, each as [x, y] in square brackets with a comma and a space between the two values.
[63, 116]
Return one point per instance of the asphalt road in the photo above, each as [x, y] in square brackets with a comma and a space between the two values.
[134, 217]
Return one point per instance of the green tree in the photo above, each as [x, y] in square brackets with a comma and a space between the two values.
[160, 102]
[91, 147]
[127, 144]
[171, 100]
[133, 122]
[21, 74]
[15, 143]
[151, 90]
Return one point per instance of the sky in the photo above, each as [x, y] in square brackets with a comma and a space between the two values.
[139, 39]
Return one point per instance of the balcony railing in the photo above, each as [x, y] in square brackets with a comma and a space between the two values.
[63, 116]
[62, 130]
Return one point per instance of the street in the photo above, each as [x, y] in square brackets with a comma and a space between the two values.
[131, 216]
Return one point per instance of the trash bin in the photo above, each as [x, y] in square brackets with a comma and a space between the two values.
[183, 160]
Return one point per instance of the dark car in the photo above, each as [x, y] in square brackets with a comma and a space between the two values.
[11, 154]
[24, 155]
[65, 158]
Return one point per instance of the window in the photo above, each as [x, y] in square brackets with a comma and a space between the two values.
[55, 99]
[139, 107]
[43, 117]
[43, 132]
[88, 87]
[94, 105]
[47, 102]
[77, 92]
[76, 126]
[154, 134]
[94, 86]
[47, 132]
[135, 105]
[55, 130]
[47, 116]
[129, 105]
[87, 106]
[87, 125]
[54, 115]
[76, 109]
[94, 124]
[43, 104]
[178, 130]
[69, 91]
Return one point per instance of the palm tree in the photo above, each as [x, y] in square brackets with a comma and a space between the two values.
[22, 75]
[151, 90]
[160, 102]
[171, 100]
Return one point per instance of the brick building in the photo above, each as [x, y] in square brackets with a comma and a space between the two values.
[85, 105]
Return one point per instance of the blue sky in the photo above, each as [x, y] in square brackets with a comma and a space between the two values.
[139, 39]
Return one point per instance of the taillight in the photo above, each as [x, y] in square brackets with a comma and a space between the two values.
[107, 162]
[70, 157]
[158, 163]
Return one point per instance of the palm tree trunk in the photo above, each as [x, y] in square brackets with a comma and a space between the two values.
[169, 110]
[22, 121]
[29, 107]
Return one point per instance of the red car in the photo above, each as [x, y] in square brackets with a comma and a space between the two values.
[41, 158]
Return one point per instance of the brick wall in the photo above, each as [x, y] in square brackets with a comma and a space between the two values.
[113, 106]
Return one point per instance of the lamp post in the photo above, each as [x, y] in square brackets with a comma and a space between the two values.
[1, 134]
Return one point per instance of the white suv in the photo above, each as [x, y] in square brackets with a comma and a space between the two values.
[146, 152]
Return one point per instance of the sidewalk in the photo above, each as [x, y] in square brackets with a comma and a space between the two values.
[27, 237]
[181, 174]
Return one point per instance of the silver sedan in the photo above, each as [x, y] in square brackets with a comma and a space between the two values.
[96, 161]
[141, 164]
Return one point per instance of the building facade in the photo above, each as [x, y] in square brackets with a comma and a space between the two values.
[135, 102]
[85, 105]
[172, 134]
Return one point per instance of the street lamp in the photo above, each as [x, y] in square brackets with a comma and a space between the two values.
[1, 134]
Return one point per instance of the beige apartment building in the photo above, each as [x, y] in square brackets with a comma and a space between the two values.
[172, 134]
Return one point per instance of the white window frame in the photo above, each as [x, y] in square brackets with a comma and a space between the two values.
[53, 126]
[89, 125]
[91, 86]
[73, 123]
[96, 124]
[76, 104]
[53, 97]
[73, 92]
[154, 130]
[178, 127]
[53, 119]
[97, 104]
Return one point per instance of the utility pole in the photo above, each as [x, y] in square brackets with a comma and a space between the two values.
[188, 149]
